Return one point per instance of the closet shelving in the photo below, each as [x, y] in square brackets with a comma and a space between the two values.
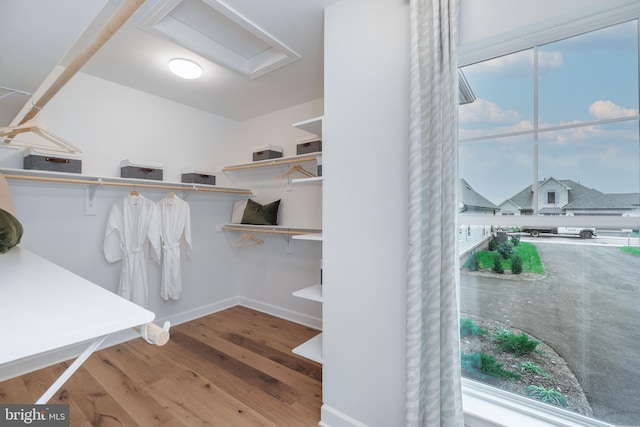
[73, 178]
[311, 349]
[280, 161]
[294, 232]
[306, 180]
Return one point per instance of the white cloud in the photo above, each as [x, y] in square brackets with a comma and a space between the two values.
[482, 110]
[519, 63]
[550, 59]
[609, 110]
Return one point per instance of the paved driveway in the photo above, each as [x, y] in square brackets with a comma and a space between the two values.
[587, 309]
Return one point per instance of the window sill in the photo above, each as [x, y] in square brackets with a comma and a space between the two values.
[486, 406]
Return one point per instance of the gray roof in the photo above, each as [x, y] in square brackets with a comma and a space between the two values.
[594, 199]
[469, 197]
[581, 197]
[631, 198]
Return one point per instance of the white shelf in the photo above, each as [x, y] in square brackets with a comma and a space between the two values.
[295, 232]
[310, 157]
[311, 349]
[307, 180]
[76, 178]
[313, 126]
[311, 236]
[313, 293]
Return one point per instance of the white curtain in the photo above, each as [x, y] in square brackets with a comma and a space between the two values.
[433, 348]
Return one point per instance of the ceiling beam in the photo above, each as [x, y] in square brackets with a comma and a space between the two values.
[119, 18]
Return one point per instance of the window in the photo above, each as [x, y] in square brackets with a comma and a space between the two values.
[551, 198]
[553, 141]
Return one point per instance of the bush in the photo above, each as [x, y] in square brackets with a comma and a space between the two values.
[493, 244]
[472, 261]
[497, 264]
[485, 364]
[469, 327]
[506, 250]
[533, 368]
[512, 343]
[547, 395]
[515, 239]
[516, 264]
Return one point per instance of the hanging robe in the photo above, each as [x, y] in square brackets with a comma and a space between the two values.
[131, 222]
[175, 223]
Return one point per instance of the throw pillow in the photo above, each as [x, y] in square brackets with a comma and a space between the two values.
[258, 214]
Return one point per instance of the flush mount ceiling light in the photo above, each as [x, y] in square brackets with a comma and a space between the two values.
[185, 68]
[216, 32]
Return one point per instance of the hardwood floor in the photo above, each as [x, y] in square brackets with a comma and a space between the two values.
[232, 368]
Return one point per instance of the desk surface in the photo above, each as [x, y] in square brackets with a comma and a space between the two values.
[44, 307]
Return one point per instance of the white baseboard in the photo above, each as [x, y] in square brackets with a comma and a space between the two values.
[331, 417]
[283, 313]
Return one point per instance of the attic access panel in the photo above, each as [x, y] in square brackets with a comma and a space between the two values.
[213, 30]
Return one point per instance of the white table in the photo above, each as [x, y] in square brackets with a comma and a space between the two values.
[44, 307]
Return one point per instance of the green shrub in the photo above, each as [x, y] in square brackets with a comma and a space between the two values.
[469, 327]
[506, 250]
[485, 364]
[493, 244]
[547, 395]
[497, 264]
[515, 239]
[472, 261]
[533, 368]
[512, 343]
[516, 264]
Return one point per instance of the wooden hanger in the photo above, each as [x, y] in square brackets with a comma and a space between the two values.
[171, 194]
[247, 239]
[297, 168]
[59, 144]
[134, 192]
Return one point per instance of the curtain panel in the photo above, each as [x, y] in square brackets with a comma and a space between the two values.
[433, 396]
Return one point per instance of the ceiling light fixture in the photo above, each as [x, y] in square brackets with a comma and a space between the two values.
[185, 68]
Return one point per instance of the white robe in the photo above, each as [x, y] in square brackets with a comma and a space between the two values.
[175, 222]
[131, 222]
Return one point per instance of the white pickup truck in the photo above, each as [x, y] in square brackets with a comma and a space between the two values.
[585, 233]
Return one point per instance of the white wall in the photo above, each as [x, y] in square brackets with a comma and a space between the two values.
[365, 226]
[268, 274]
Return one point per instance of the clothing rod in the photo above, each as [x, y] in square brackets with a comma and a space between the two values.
[102, 181]
[264, 230]
[271, 163]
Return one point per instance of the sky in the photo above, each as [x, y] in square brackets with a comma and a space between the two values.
[585, 79]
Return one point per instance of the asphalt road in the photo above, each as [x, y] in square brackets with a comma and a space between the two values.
[587, 309]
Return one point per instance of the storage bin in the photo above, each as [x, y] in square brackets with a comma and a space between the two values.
[309, 147]
[195, 176]
[319, 163]
[267, 152]
[56, 162]
[142, 170]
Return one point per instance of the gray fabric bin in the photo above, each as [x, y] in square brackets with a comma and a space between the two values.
[141, 172]
[309, 147]
[266, 154]
[199, 178]
[52, 163]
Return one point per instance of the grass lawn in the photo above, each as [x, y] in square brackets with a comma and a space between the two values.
[531, 262]
[631, 250]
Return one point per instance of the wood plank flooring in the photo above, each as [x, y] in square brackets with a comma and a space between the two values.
[232, 368]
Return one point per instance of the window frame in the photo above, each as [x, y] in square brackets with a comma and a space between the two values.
[484, 405]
